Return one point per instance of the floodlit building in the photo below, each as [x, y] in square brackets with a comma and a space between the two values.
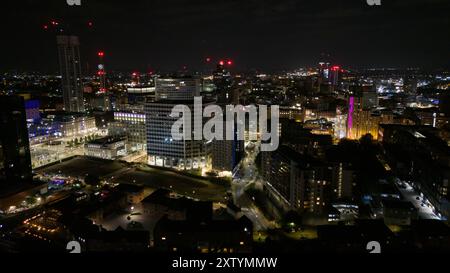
[162, 149]
[132, 125]
[107, 147]
[74, 125]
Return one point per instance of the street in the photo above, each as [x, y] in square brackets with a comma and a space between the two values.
[246, 175]
[424, 207]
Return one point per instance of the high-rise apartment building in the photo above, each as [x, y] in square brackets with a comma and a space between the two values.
[295, 181]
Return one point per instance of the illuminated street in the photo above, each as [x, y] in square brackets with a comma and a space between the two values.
[423, 206]
[247, 175]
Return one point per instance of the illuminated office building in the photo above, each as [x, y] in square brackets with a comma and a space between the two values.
[131, 124]
[162, 149]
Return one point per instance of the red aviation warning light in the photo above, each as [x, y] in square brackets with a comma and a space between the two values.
[229, 62]
[101, 54]
[90, 24]
[208, 59]
[335, 68]
[222, 62]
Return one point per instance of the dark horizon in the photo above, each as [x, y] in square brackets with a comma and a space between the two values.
[265, 35]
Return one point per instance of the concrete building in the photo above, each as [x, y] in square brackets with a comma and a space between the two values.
[106, 148]
[131, 124]
[162, 149]
[295, 181]
[74, 125]
[342, 180]
[226, 154]
[177, 88]
[70, 68]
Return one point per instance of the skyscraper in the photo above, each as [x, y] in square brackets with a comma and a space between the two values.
[101, 73]
[162, 149]
[223, 82]
[334, 75]
[70, 68]
[15, 160]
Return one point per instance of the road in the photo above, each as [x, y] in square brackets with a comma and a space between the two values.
[424, 207]
[246, 174]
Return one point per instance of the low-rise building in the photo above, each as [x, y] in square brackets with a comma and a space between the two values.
[74, 125]
[134, 193]
[107, 147]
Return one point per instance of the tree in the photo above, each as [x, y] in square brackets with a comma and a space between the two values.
[366, 140]
[368, 145]
[291, 220]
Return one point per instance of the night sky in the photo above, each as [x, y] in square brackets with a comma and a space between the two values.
[268, 35]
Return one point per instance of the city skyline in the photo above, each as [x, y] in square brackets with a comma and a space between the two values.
[268, 35]
[257, 128]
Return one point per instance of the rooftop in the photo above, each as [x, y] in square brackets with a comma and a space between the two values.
[107, 140]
